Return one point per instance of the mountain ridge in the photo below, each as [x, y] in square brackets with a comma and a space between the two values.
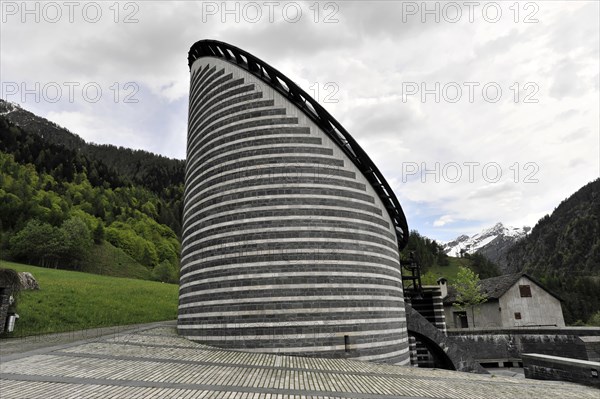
[54, 133]
[563, 250]
[157, 173]
[492, 242]
[568, 238]
[139, 166]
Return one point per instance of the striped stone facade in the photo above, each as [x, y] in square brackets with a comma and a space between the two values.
[431, 306]
[286, 247]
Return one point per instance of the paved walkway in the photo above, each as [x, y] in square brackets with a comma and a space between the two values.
[47, 342]
[153, 362]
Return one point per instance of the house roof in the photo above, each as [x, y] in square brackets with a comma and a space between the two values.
[495, 287]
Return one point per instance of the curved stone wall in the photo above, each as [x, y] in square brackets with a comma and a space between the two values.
[286, 246]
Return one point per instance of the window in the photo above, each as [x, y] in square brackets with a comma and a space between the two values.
[525, 291]
[346, 343]
[517, 315]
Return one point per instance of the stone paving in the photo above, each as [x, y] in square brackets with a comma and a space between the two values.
[156, 363]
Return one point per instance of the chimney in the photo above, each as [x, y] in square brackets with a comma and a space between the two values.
[442, 282]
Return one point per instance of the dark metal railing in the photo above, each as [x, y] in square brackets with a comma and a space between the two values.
[318, 114]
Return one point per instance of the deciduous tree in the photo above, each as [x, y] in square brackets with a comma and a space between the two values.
[468, 291]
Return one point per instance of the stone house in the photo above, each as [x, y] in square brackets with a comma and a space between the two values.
[514, 300]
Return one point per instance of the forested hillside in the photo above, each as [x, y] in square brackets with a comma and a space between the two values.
[563, 251]
[62, 199]
[435, 263]
[425, 251]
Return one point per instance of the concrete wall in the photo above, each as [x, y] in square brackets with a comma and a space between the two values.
[286, 248]
[540, 309]
[545, 367]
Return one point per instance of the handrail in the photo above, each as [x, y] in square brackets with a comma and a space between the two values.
[318, 114]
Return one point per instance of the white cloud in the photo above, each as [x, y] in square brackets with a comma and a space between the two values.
[371, 53]
[444, 220]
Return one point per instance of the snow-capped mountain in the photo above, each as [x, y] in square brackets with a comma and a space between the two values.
[492, 243]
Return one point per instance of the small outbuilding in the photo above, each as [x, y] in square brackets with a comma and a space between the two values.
[514, 300]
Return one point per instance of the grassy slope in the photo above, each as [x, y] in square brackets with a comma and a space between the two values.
[105, 259]
[450, 271]
[70, 301]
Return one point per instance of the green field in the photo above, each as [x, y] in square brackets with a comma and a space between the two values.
[70, 301]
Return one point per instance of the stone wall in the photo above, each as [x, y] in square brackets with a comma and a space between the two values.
[286, 248]
[4, 304]
[496, 345]
[545, 367]
[431, 307]
[592, 346]
[443, 353]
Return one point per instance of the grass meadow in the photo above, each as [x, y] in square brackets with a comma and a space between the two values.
[69, 301]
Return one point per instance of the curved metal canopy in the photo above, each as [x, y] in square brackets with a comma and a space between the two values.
[318, 114]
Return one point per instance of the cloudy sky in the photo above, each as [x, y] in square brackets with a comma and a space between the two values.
[476, 112]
